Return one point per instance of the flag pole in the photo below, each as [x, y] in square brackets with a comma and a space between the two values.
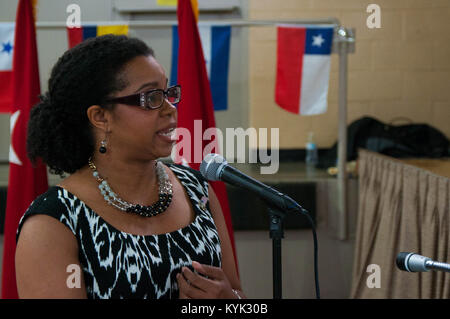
[170, 23]
[345, 39]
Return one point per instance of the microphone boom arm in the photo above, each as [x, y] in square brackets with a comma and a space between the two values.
[436, 265]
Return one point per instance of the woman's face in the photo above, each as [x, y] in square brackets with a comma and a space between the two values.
[142, 134]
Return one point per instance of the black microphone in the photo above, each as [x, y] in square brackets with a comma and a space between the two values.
[214, 167]
[412, 262]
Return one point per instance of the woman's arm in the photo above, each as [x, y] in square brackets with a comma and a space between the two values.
[228, 263]
[47, 264]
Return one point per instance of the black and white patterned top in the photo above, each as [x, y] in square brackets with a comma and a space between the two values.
[122, 265]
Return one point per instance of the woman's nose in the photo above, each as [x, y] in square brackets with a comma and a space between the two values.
[168, 108]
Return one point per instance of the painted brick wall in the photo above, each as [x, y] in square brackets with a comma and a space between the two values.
[399, 70]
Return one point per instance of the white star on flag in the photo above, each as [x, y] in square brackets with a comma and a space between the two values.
[318, 40]
[13, 158]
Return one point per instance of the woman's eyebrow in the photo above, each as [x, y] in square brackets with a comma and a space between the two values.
[152, 84]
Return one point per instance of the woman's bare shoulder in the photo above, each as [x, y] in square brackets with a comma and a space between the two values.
[44, 251]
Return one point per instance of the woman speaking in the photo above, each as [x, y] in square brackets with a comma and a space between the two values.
[133, 226]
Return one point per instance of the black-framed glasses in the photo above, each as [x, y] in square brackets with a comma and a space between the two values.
[152, 99]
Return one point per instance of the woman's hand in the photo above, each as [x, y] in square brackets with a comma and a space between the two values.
[195, 286]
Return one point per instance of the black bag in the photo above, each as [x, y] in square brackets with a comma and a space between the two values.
[400, 141]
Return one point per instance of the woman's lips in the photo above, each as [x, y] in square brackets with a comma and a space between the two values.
[167, 134]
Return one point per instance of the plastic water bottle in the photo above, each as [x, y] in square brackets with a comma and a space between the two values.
[312, 158]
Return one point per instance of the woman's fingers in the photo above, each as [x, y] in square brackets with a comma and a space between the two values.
[182, 287]
[209, 282]
[197, 280]
[210, 271]
[187, 290]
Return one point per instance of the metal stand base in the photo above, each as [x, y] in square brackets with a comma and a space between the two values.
[276, 233]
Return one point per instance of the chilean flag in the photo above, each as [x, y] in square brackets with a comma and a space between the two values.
[303, 68]
[6, 57]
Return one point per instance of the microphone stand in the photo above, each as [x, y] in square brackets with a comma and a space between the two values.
[276, 233]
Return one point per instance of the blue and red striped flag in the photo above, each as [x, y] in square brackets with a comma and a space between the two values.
[303, 68]
[216, 51]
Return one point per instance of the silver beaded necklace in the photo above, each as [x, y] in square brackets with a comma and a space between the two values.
[165, 194]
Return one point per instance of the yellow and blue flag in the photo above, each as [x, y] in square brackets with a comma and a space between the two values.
[79, 34]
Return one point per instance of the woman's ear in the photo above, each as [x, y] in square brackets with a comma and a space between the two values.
[99, 117]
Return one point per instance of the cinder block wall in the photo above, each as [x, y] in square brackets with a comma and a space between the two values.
[399, 70]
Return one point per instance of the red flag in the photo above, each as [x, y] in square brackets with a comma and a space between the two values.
[75, 36]
[25, 181]
[196, 110]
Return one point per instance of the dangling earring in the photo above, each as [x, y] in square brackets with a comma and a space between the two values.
[102, 148]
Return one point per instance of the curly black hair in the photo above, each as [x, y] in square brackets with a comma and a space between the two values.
[59, 131]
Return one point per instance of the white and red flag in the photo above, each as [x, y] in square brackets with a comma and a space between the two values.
[6, 57]
[26, 181]
[303, 68]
